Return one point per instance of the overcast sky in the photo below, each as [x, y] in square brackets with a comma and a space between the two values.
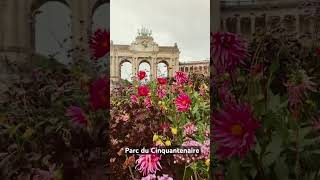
[186, 22]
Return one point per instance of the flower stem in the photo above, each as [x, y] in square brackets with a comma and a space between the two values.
[297, 166]
[184, 172]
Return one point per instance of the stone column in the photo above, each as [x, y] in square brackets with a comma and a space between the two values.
[297, 25]
[154, 68]
[135, 66]
[253, 24]
[215, 16]
[224, 25]
[238, 30]
[81, 27]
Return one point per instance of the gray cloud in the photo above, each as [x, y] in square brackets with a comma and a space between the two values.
[186, 22]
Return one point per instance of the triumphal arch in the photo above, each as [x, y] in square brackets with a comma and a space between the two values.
[143, 49]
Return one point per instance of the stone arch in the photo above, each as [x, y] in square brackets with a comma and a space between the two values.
[289, 23]
[231, 24]
[159, 71]
[36, 4]
[41, 32]
[145, 65]
[129, 72]
[97, 4]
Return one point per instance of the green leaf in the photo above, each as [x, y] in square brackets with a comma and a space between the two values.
[234, 170]
[281, 169]
[273, 150]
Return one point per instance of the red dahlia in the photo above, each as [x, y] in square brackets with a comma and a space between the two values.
[162, 81]
[143, 90]
[100, 43]
[99, 94]
[141, 75]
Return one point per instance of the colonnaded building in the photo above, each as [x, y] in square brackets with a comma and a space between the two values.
[248, 17]
[144, 50]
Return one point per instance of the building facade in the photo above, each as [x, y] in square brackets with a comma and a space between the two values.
[248, 17]
[144, 49]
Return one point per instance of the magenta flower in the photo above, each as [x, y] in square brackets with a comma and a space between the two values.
[147, 102]
[165, 177]
[142, 75]
[99, 94]
[297, 86]
[134, 99]
[228, 51]
[77, 115]
[181, 77]
[149, 177]
[148, 164]
[234, 129]
[188, 158]
[183, 102]
[143, 90]
[100, 43]
[189, 129]
[161, 92]
[162, 81]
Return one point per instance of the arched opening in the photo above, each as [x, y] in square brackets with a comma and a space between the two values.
[245, 24]
[231, 25]
[145, 66]
[51, 29]
[100, 20]
[289, 23]
[101, 16]
[206, 69]
[126, 71]
[162, 69]
[187, 69]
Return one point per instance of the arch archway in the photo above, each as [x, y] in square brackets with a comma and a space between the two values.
[51, 30]
[145, 66]
[99, 3]
[162, 69]
[125, 70]
[100, 20]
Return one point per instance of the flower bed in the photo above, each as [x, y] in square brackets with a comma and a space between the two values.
[160, 113]
[265, 98]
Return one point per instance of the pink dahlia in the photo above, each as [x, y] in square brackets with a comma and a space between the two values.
[162, 81]
[189, 129]
[165, 177]
[228, 51]
[143, 90]
[42, 175]
[134, 99]
[149, 177]
[181, 77]
[298, 86]
[188, 158]
[234, 129]
[183, 102]
[77, 115]
[100, 43]
[99, 94]
[148, 164]
[161, 92]
[142, 75]
[147, 102]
